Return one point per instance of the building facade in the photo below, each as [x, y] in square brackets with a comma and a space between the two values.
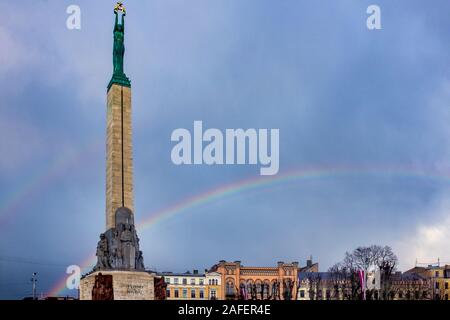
[334, 286]
[213, 283]
[409, 286]
[185, 286]
[257, 283]
[438, 277]
[319, 286]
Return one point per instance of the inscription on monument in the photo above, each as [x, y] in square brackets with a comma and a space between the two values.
[135, 289]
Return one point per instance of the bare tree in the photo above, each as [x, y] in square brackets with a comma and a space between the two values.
[340, 277]
[373, 258]
[314, 284]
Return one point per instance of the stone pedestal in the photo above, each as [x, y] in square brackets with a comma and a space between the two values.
[127, 285]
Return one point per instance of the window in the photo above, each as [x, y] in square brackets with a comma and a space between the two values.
[212, 294]
[168, 293]
[400, 295]
[446, 296]
[258, 288]
[184, 281]
[216, 282]
[167, 280]
[201, 282]
[302, 293]
[201, 294]
[230, 288]
[193, 281]
[437, 285]
[436, 274]
[328, 294]
[446, 285]
[192, 293]
[416, 295]
[185, 293]
[176, 294]
[175, 280]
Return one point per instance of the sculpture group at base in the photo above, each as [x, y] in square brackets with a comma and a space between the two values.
[118, 247]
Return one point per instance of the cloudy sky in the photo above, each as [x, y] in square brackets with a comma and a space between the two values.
[373, 102]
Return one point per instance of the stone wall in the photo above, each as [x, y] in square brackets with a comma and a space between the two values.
[127, 285]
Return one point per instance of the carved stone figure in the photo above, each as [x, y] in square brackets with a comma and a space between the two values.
[140, 261]
[102, 253]
[118, 248]
[103, 287]
[129, 252]
[160, 288]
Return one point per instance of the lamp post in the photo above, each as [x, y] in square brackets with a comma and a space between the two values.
[33, 281]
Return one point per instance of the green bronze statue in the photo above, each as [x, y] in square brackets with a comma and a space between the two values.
[119, 47]
[119, 76]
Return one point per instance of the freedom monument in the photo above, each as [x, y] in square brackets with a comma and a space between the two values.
[119, 273]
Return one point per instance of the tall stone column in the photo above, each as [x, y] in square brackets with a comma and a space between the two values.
[120, 272]
[119, 158]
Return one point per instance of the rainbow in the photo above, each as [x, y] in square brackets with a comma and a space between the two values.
[242, 186]
[43, 179]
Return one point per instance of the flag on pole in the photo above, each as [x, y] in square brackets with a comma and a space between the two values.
[362, 281]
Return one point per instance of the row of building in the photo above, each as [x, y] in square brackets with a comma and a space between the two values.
[290, 281]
